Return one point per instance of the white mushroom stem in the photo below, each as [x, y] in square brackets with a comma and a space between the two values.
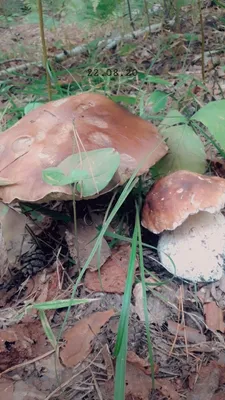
[197, 248]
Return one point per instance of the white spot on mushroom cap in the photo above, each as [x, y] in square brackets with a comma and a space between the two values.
[64, 134]
[180, 190]
[99, 122]
[197, 248]
[2, 148]
[101, 139]
[47, 158]
[22, 144]
[40, 136]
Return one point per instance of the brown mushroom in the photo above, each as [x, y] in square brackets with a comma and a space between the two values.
[47, 135]
[178, 195]
[187, 206]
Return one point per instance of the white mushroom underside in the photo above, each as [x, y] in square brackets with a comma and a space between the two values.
[197, 248]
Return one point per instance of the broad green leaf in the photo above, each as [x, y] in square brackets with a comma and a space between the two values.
[124, 99]
[186, 151]
[101, 166]
[31, 106]
[173, 117]
[55, 177]
[158, 100]
[213, 117]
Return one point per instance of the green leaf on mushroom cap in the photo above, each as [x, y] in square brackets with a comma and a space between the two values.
[91, 170]
[31, 106]
[55, 177]
[213, 117]
[101, 165]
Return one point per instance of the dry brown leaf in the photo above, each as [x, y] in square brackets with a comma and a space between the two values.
[21, 342]
[78, 338]
[192, 335]
[167, 389]
[86, 235]
[205, 383]
[139, 386]
[6, 388]
[139, 362]
[214, 317]
[113, 273]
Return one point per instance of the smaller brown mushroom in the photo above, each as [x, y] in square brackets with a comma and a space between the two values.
[187, 206]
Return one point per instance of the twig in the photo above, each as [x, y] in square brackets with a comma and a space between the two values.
[20, 67]
[203, 41]
[11, 59]
[147, 14]
[130, 16]
[44, 49]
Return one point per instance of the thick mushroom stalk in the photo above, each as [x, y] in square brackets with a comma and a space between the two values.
[185, 208]
[58, 129]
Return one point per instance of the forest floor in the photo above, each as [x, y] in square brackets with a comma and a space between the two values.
[186, 320]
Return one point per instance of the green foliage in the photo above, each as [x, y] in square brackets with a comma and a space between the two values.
[127, 49]
[186, 150]
[173, 117]
[55, 176]
[129, 100]
[31, 106]
[213, 117]
[158, 100]
[98, 168]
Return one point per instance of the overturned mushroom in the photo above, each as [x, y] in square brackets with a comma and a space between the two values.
[187, 206]
[47, 135]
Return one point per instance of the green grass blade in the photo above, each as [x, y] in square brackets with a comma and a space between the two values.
[124, 316]
[145, 304]
[120, 375]
[47, 329]
[55, 304]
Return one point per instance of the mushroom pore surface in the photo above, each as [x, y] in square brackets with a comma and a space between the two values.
[197, 248]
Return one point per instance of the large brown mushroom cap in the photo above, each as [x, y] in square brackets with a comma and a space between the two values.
[178, 195]
[50, 133]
